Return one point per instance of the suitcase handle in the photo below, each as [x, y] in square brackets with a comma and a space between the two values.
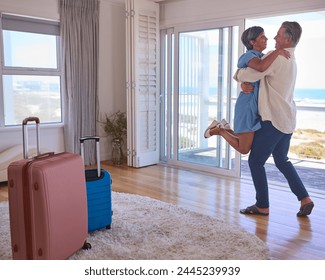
[25, 136]
[82, 150]
[31, 119]
[83, 139]
[44, 155]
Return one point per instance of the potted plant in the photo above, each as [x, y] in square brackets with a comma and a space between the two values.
[115, 126]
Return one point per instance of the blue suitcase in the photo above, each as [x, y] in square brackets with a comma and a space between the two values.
[99, 192]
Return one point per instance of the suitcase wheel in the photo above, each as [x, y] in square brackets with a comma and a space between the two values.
[86, 246]
[108, 227]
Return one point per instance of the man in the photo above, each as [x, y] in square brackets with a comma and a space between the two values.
[278, 120]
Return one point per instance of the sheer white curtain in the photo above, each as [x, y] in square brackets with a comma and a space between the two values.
[79, 28]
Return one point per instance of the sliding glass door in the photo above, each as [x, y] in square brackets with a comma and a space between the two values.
[200, 90]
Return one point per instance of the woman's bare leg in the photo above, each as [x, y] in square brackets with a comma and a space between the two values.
[242, 142]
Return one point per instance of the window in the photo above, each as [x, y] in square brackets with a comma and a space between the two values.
[31, 73]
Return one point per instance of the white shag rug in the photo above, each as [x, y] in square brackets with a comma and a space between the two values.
[148, 229]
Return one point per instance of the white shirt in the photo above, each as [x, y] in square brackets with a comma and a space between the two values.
[277, 83]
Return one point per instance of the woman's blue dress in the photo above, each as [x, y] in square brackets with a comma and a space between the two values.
[247, 118]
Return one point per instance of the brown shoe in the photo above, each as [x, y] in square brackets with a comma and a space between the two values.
[252, 210]
[305, 209]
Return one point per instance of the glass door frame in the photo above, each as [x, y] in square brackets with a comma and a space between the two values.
[169, 98]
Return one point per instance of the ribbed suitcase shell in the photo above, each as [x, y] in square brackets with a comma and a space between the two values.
[47, 206]
[99, 192]
[99, 199]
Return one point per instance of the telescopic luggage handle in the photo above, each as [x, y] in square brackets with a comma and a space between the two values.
[25, 135]
[82, 150]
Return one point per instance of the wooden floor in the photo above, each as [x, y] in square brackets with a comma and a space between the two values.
[287, 236]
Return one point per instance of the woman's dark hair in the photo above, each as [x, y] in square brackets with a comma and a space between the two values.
[251, 34]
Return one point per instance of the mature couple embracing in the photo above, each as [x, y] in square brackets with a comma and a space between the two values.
[265, 112]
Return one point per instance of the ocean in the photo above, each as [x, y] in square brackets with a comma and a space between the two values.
[310, 96]
[301, 94]
[310, 105]
[310, 108]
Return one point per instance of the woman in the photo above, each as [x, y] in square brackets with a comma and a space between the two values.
[247, 120]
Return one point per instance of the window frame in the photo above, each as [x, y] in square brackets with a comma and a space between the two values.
[170, 87]
[21, 23]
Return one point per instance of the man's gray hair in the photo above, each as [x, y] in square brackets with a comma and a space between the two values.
[293, 31]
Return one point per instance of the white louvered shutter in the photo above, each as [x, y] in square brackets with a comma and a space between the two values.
[142, 38]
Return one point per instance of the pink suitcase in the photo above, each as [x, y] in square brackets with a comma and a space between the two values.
[47, 204]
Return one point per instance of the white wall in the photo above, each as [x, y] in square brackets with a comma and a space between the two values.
[112, 64]
[111, 84]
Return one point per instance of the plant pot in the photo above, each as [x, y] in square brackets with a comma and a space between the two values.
[117, 155]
